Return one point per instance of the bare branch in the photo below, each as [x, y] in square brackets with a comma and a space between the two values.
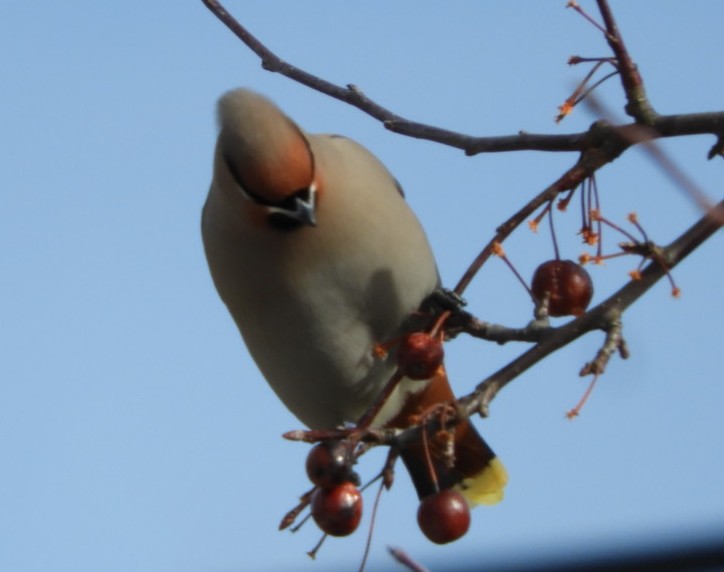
[664, 126]
[614, 342]
[717, 149]
[466, 323]
[638, 105]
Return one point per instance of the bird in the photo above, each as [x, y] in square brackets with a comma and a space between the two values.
[315, 252]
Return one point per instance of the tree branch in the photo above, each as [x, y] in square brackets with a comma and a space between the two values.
[638, 105]
[673, 125]
[602, 317]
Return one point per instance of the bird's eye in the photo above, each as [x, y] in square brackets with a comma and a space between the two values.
[280, 221]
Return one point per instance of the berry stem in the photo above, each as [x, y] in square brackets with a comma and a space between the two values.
[573, 413]
[368, 545]
[428, 460]
[513, 269]
[553, 230]
[313, 552]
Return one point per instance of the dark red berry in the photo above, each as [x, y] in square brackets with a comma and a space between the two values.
[444, 516]
[419, 355]
[330, 463]
[337, 510]
[569, 285]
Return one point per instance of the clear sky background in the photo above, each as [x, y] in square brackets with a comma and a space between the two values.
[135, 432]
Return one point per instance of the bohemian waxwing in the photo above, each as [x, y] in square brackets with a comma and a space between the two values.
[318, 258]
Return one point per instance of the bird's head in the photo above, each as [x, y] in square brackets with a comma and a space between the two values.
[268, 157]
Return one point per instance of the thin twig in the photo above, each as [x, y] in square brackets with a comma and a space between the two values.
[638, 105]
[466, 323]
[614, 341]
[403, 558]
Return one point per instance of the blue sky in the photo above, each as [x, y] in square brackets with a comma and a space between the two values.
[135, 431]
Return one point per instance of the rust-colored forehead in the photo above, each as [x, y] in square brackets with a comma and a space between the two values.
[282, 169]
[266, 151]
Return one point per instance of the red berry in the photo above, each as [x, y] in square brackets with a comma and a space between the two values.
[330, 463]
[419, 355]
[569, 285]
[337, 510]
[444, 516]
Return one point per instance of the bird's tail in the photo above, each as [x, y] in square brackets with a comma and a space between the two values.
[471, 466]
